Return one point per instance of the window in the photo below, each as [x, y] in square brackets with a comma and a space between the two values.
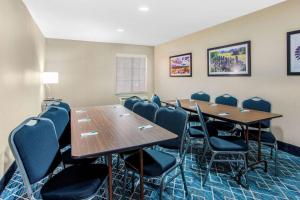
[131, 73]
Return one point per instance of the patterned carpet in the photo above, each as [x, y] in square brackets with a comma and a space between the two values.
[220, 184]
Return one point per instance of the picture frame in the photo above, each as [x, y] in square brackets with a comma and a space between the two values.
[230, 60]
[293, 53]
[181, 65]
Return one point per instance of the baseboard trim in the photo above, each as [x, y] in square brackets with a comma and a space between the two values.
[289, 148]
[7, 176]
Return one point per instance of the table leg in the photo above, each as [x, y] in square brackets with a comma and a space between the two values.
[110, 180]
[247, 141]
[259, 142]
[141, 174]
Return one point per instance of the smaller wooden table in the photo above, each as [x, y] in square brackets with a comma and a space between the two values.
[244, 117]
[114, 129]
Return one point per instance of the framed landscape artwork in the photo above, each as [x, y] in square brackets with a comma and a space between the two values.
[181, 65]
[230, 60]
[293, 53]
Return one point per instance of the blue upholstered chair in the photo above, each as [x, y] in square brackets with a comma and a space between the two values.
[158, 163]
[228, 100]
[267, 137]
[201, 96]
[35, 147]
[60, 118]
[129, 103]
[65, 139]
[221, 146]
[146, 110]
[155, 99]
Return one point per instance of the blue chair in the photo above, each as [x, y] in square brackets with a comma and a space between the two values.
[65, 139]
[60, 119]
[228, 100]
[267, 137]
[36, 150]
[222, 146]
[155, 99]
[158, 163]
[146, 110]
[201, 96]
[129, 103]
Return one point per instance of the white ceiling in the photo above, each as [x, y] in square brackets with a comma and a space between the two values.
[98, 20]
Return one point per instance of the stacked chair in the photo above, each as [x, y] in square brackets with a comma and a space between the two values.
[267, 137]
[35, 147]
[156, 162]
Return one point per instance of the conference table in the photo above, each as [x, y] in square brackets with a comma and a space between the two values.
[243, 117]
[106, 130]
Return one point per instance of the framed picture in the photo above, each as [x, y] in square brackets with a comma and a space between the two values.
[230, 60]
[181, 65]
[293, 53]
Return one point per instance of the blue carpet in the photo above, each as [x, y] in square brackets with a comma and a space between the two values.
[219, 185]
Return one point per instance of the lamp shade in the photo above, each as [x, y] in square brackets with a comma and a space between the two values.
[50, 77]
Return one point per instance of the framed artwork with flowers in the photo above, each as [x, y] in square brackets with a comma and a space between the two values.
[293, 53]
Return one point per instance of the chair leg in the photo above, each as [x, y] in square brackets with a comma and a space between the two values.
[132, 181]
[246, 169]
[208, 169]
[125, 183]
[204, 151]
[162, 187]
[183, 179]
[275, 159]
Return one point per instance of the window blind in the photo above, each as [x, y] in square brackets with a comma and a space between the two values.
[131, 74]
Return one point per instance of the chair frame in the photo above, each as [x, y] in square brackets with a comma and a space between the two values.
[179, 163]
[21, 167]
[215, 152]
[271, 145]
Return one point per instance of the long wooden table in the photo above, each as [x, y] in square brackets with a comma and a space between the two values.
[113, 129]
[244, 117]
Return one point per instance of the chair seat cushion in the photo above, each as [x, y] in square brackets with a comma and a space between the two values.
[266, 136]
[155, 162]
[75, 182]
[228, 144]
[68, 159]
[196, 131]
[222, 125]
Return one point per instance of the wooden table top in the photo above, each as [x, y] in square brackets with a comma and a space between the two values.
[118, 130]
[235, 114]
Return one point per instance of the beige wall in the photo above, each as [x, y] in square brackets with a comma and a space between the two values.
[267, 31]
[21, 60]
[87, 70]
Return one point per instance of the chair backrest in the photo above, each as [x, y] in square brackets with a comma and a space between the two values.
[175, 121]
[129, 103]
[62, 104]
[201, 96]
[146, 110]
[35, 147]
[59, 117]
[227, 99]
[155, 99]
[257, 103]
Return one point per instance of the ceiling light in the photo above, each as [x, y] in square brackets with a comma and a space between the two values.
[120, 30]
[143, 9]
